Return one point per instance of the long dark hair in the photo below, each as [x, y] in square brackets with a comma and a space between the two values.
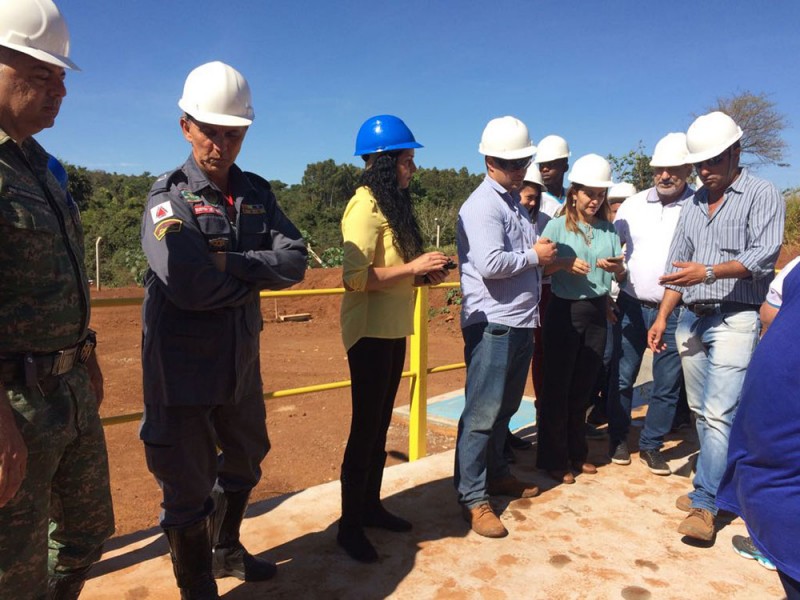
[395, 204]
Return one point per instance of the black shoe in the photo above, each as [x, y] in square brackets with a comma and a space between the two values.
[356, 544]
[596, 416]
[238, 562]
[655, 462]
[619, 453]
[516, 442]
[381, 518]
[593, 433]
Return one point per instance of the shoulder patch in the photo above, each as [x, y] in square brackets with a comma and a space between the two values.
[253, 209]
[161, 211]
[165, 227]
[206, 210]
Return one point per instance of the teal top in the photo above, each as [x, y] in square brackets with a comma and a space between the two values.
[604, 243]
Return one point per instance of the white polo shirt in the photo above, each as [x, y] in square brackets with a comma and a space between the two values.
[645, 227]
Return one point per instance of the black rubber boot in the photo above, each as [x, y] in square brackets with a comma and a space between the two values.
[351, 535]
[230, 559]
[67, 586]
[375, 515]
[190, 548]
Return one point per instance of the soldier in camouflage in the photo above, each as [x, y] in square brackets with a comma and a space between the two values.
[55, 501]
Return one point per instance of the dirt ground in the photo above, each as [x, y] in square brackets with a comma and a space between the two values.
[308, 432]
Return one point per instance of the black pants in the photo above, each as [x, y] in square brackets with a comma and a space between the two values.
[376, 366]
[574, 337]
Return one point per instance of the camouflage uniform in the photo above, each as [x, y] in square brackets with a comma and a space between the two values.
[63, 507]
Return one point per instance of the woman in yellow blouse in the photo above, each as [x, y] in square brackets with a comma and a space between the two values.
[383, 261]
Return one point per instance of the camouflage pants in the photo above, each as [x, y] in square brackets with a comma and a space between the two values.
[62, 514]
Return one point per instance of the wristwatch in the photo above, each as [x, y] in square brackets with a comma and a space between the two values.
[710, 277]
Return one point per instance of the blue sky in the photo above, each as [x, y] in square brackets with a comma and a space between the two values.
[603, 74]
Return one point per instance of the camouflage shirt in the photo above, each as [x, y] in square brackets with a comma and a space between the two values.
[44, 294]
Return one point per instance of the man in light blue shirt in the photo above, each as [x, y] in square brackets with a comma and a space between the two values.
[499, 258]
[720, 263]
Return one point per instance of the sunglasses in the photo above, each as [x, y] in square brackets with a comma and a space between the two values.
[514, 164]
[712, 162]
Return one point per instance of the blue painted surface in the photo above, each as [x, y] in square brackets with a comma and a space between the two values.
[450, 408]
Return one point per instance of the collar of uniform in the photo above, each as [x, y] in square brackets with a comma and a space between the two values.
[4, 137]
[197, 180]
[688, 192]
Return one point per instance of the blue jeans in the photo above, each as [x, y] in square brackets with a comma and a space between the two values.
[715, 351]
[497, 357]
[634, 323]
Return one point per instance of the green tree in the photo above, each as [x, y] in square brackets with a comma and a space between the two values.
[633, 167]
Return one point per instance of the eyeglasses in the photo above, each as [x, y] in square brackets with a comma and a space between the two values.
[514, 164]
[712, 162]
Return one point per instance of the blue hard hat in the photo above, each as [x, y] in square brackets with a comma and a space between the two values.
[383, 133]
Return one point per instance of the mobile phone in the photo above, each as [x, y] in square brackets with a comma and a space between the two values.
[450, 265]
[615, 259]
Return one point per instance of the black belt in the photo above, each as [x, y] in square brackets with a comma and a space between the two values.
[648, 304]
[704, 309]
[31, 368]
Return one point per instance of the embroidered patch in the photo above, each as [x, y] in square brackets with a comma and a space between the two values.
[207, 210]
[165, 227]
[218, 243]
[161, 211]
[253, 209]
[190, 196]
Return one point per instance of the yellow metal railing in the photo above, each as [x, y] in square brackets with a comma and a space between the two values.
[418, 364]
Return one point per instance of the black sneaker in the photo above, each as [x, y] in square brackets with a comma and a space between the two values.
[655, 462]
[619, 453]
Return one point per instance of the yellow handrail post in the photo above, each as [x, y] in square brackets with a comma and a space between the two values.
[418, 365]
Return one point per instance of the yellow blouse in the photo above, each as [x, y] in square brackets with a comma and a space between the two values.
[369, 242]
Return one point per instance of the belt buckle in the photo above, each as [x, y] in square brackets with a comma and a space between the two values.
[64, 362]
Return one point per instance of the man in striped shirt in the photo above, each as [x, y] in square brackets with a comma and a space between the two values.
[720, 264]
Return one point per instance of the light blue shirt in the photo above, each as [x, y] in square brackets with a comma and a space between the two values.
[746, 227]
[604, 244]
[499, 270]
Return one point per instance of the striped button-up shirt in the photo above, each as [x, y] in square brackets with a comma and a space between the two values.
[747, 227]
[499, 268]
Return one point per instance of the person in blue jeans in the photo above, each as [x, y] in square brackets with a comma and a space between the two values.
[646, 223]
[499, 259]
[720, 264]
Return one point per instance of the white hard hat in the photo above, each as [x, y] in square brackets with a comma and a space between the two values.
[670, 151]
[36, 28]
[552, 147]
[217, 94]
[621, 190]
[591, 170]
[710, 135]
[506, 137]
[534, 176]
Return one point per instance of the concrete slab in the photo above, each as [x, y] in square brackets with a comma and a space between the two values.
[611, 535]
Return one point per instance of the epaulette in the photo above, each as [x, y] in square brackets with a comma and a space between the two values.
[257, 180]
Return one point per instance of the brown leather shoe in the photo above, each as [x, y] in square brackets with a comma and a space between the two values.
[483, 521]
[562, 476]
[587, 468]
[511, 486]
[683, 503]
[699, 524]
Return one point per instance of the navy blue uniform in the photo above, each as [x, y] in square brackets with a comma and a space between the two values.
[201, 326]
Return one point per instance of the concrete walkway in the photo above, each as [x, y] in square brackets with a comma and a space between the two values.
[611, 535]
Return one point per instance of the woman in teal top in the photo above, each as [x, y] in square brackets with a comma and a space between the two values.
[574, 329]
